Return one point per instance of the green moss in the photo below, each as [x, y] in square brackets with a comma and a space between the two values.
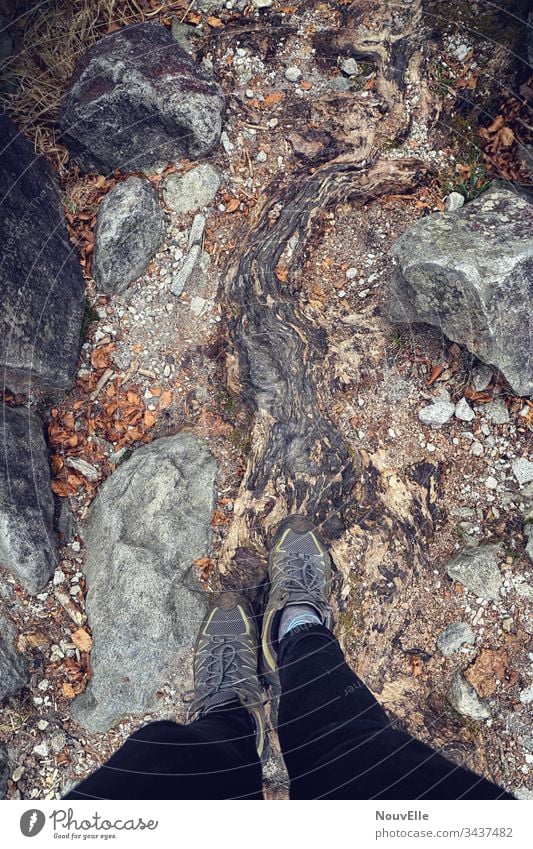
[89, 315]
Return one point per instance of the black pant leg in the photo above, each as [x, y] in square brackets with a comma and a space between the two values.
[337, 741]
[212, 758]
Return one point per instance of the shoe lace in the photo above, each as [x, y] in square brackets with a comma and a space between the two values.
[300, 573]
[223, 664]
[221, 674]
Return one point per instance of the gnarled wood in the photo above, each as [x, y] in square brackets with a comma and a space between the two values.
[298, 461]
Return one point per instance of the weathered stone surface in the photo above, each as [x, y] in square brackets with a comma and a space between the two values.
[40, 275]
[27, 544]
[465, 700]
[477, 568]
[193, 190]
[437, 414]
[13, 671]
[129, 229]
[522, 470]
[4, 770]
[455, 636]
[148, 524]
[470, 273]
[137, 99]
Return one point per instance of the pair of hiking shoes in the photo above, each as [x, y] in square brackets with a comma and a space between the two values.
[227, 655]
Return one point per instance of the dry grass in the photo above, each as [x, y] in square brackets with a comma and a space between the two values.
[50, 38]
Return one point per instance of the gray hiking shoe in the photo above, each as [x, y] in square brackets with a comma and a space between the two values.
[299, 567]
[225, 663]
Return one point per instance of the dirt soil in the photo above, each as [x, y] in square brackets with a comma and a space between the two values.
[162, 361]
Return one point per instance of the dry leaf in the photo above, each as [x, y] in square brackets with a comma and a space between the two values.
[436, 372]
[149, 419]
[273, 98]
[166, 400]
[233, 205]
[82, 639]
[68, 690]
[214, 22]
[488, 668]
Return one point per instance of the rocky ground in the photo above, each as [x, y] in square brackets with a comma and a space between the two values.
[154, 363]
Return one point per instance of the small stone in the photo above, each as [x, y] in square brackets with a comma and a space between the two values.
[455, 635]
[496, 411]
[526, 696]
[477, 569]
[42, 725]
[522, 470]
[58, 741]
[181, 279]
[481, 377]
[437, 413]
[340, 83]
[41, 749]
[18, 773]
[477, 449]
[461, 52]
[198, 305]
[350, 67]
[83, 467]
[351, 273]
[363, 293]
[225, 142]
[455, 200]
[463, 411]
[262, 4]
[491, 483]
[507, 625]
[196, 232]
[465, 700]
[261, 156]
[293, 74]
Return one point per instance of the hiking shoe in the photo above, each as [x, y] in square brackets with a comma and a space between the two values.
[299, 568]
[225, 663]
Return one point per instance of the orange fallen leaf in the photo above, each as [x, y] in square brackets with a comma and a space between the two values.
[214, 22]
[68, 690]
[166, 400]
[60, 488]
[149, 419]
[82, 639]
[436, 372]
[273, 98]
[233, 205]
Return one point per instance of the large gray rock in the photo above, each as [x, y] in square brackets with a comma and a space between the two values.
[136, 99]
[13, 671]
[27, 544]
[149, 522]
[129, 229]
[477, 569]
[40, 275]
[470, 273]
